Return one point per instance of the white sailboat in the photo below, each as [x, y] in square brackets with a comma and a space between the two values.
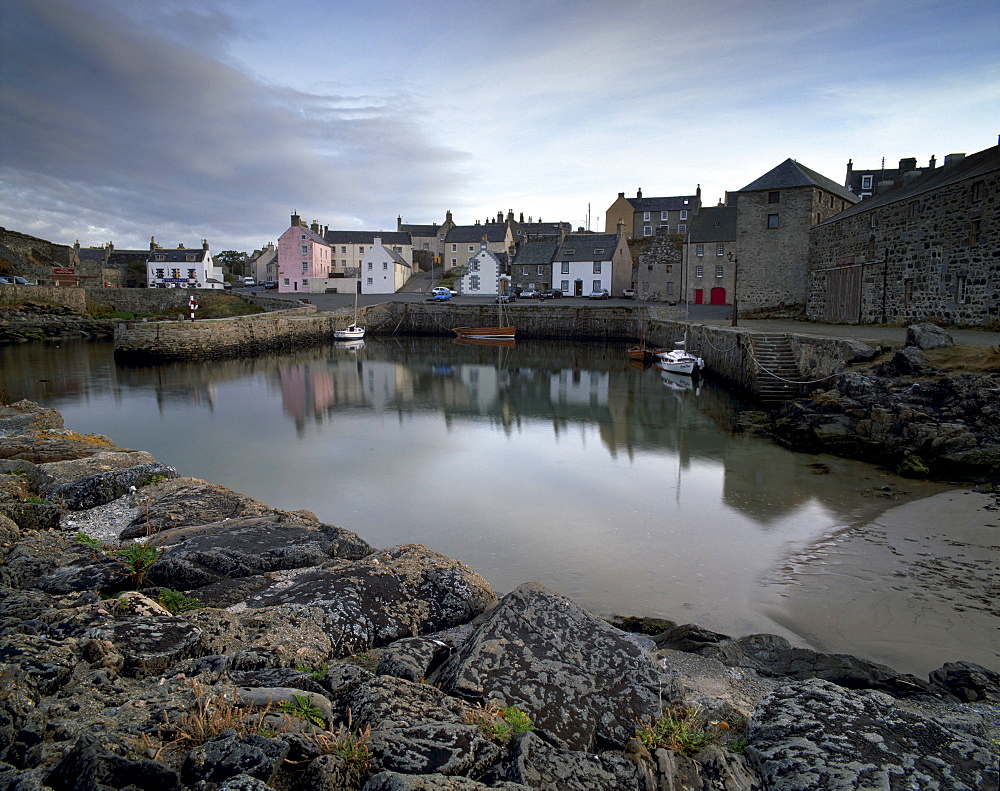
[352, 332]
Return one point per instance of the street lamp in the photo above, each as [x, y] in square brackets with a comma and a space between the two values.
[735, 261]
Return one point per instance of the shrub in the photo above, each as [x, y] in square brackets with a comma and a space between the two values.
[176, 602]
[500, 723]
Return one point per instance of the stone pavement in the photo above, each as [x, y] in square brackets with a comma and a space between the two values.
[874, 335]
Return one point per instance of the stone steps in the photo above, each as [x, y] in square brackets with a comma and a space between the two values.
[775, 363]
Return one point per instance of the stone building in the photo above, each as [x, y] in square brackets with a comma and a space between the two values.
[710, 251]
[926, 250]
[659, 272]
[649, 216]
[865, 183]
[532, 266]
[773, 218]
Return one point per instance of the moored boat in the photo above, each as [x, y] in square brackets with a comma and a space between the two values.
[679, 360]
[351, 332]
[485, 332]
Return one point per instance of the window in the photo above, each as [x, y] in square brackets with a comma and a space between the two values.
[191, 274]
[960, 294]
[873, 221]
[427, 246]
[305, 249]
[647, 230]
[718, 271]
[473, 264]
[665, 228]
[159, 258]
[907, 292]
[913, 209]
[772, 221]
[597, 286]
[684, 214]
[670, 287]
[472, 249]
[774, 197]
[454, 248]
[159, 273]
[385, 265]
[343, 249]
[302, 236]
[305, 267]
[975, 231]
[361, 250]
[682, 228]
[454, 262]
[645, 286]
[700, 249]
[564, 268]
[474, 283]
[343, 263]
[977, 190]
[720, 249]
[541, 269]
[699, 271]
[368, 281]
[285, 281]
[866, 182]
[597, 267]
[645, 216]
[564, 285]
[598, 251]
[305, 282]
[570, 252]
[397, 249]
[664, 215]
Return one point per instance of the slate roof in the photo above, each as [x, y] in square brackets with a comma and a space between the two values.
[122, 258]
[420, 230]
[366, 237]
[537, 252]
[714, 224]
[178, 255]
[978, 164]
[396, 257]
[543, 228]
[460, 234]
[92, 254]
[673, 203]
[309, 233]
[583, 247]
[791, 174]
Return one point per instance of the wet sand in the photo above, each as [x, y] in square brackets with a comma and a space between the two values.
[923, 579]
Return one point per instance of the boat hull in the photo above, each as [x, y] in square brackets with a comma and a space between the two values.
[485, 332]
[678, 362]
[350, 333]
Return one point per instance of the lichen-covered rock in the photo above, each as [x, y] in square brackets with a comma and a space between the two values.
[816, 736]
[47, 664]
[441, 748]
[47, 445]
[397, 592]
[33, 516]
[89, 766]
[967, 681]
[57, 473]
[26, 415]
[927, 336]
[229, 755]
[200, 555]
[150, 644]
[539, 651]
[413, 658]
[104, 487]
[394, 781]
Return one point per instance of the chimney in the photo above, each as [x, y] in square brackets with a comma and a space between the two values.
[204, 245]
[522, 217]
[315, 226]
[952, 159]
[621, 227]
[296, 220]
[399, 222]
[910, 163]
[621, 194]
[638, 194]
[447, 216]
[933, 163]
[152, 242]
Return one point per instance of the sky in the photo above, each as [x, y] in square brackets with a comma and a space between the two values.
[186, 120]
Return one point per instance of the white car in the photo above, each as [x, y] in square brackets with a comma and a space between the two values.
[443, 290]
[249, 282]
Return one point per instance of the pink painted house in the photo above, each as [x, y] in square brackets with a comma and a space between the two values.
[303, 257]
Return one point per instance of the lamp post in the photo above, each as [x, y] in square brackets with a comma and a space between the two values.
[736, 272]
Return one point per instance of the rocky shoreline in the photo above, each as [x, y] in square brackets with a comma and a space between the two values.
[162, 632]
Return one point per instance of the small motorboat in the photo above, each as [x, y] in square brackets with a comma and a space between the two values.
[679, 360]
[351, 332]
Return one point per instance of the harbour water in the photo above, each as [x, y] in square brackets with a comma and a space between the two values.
[628, 491]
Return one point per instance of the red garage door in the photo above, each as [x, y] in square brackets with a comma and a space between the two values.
[718, 296]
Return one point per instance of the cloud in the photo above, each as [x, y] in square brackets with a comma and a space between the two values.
[105, 123]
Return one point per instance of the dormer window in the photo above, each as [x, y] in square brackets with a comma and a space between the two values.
[570, 252]
[598, 251]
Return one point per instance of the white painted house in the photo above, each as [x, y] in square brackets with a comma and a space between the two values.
[182, 267]
[483, 273]
[383, 270]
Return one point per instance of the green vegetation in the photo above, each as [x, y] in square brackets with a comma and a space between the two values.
[150, 480]
[176, 602]
[971, 359]
[137, 560]
[38, 500]
[317, 674]
[87, 541]
[680, 728]
[351, 748]
[500, 723]
[302, 707]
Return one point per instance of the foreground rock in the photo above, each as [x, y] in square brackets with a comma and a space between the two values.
[268, 650]
[904, 415]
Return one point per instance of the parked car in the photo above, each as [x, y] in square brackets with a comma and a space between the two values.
[600, 293]
[443, 290]
[529, 293]
[249, 282]
[551, 293]
[270, 284]
[16, 280]
[507, 296]
[628, 293]
[441, 296]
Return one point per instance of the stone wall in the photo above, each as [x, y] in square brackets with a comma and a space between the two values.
[72, 298]
[914, 258]
[658, 272]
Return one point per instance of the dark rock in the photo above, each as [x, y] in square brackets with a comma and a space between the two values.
[641, 625]
[91, 767]
[927, 336]
[227, 756]
[393, 781]
[388, 702]
[276, 677]
[536, 764]
[688, 637]
[398, 592]
[83, 569]
[413, 658]
[908, 361]
[816, 735]
[200, 555]
[53, 474]
[19, 698]
[343, 677]
[47, 664]
[772, 655]
[189, 501]
[227, 592]
[151, 644]
[106, 487]
[444, 748]
[578, 678]
[33, 516]
[245, 782]
[968, 682]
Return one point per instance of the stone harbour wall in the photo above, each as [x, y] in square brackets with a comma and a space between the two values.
[72, 298]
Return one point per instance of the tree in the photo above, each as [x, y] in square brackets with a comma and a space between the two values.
[231, 261]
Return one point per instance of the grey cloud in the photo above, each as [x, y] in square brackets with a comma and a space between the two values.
[106, 126]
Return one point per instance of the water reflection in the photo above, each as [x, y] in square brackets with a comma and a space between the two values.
[547, 461]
